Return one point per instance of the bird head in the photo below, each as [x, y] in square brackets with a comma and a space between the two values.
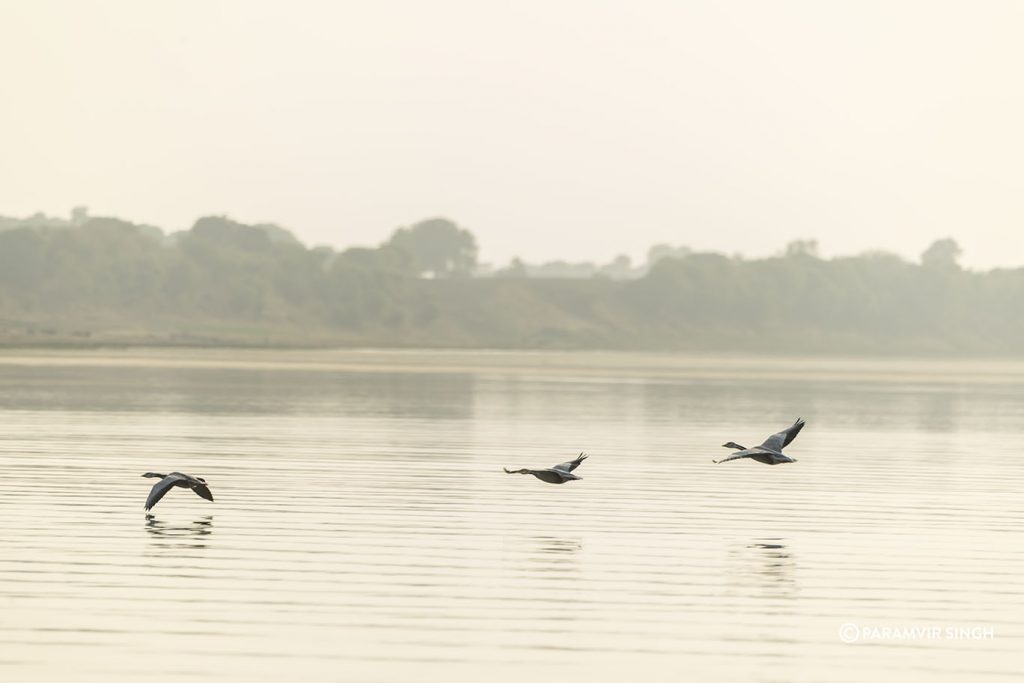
[732, 444]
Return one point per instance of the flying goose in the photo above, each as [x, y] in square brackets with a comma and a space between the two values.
[559, 474]
[770, 452]
[169, 481]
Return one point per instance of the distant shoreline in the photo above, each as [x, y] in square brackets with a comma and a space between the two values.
[621, 365]
[101, 282]
[213, 338]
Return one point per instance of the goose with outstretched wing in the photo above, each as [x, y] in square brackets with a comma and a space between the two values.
[559, 474]
[770, 452]
[169, 481]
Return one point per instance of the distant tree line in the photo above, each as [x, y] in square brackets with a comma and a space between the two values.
[101, 280]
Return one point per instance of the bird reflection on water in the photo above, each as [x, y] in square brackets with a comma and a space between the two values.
[775, 560]
[189, 533]
[554, 554]
[550, 544]
[765, 566]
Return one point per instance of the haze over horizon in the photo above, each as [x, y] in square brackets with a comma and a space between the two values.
[570, 130]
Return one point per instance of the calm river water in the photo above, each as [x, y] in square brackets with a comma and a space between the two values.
[363, 529]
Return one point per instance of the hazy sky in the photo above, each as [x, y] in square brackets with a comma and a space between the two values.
[576, 129]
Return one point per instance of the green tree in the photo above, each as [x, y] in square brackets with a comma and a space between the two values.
[942, 254]
[798, 248]
[437, 246]
[663, 251]
[515, 268]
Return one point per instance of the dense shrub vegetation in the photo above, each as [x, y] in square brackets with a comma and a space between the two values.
[107, 281]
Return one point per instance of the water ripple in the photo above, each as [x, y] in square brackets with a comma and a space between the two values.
[363, 525]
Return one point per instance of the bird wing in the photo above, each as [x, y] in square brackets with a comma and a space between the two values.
[738, 456]
[161, 488]
[203, 491]
[571, 465]
[777, 442]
